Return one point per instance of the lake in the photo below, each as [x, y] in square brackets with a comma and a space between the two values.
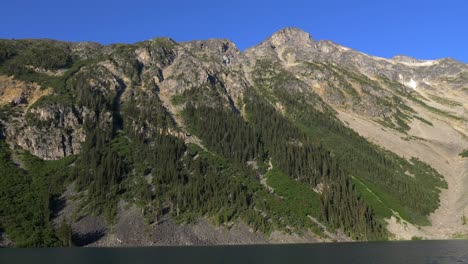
[365, 252]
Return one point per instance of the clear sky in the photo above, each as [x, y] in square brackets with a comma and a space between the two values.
[422, 29]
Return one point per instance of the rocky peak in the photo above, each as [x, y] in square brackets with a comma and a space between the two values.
[403, 58]
[326, 46]
[285, 45]
[220, 50]
[210, 45]
[292, 37]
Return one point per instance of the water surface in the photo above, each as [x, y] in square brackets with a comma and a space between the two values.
[368, 252]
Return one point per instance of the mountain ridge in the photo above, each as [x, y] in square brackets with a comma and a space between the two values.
[299, 31]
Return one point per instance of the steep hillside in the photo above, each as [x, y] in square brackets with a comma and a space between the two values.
[404, 105]
[294, 139]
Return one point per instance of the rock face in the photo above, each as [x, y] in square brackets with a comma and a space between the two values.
[50, 133]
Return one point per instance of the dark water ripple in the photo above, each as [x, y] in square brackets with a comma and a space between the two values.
[432, 252]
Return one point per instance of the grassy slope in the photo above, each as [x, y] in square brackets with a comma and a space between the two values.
[296, 200]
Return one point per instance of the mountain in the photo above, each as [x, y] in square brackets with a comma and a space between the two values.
[293, 140]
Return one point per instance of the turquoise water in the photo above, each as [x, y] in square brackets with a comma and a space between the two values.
[373, 252]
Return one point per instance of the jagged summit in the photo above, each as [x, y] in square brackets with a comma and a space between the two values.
[219, 44]
[289, 38]
[163, 39]
[291, 35]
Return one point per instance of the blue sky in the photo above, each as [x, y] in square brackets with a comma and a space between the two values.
[422, 29]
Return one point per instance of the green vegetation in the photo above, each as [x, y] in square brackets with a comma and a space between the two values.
[137, 159]
[178, 99]
[464, 153]
[299, 201]
[444, 101]
[398, 122]
[135, 152]
[51, 100]
[7, 51]
[343, 80]
[100, 170]
[380, 208]
[337, 79]
[305, 160]
[435, 110]
[26, 195]
[45, 56]
[382, 172]
[21, 58]
[8, 111]
[25, 59]
[423, 120]
[217, 126]
[228, 135]
[40, 54]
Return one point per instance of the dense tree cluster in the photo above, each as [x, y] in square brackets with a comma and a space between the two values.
[7, 51]
[229, 135]
[96, 89]
[141, 160]
[209, 190]
[291, 150]
[100, 169]
[343, 208]
[25, 59]
[123, 57]
[225, 131]
[26, 195]
[47, 57]
[187, 181]
[41, 54]
[145, 117]
[295, 154]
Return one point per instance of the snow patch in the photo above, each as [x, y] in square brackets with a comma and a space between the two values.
[326, 50]
[412, 83]
[420, 63]
[343, 48]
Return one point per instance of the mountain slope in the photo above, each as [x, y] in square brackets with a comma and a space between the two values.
[193, 130]
[419, 103]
